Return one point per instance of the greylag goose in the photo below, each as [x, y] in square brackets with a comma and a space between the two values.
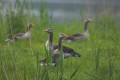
[20, 36]
[67, 52]
[49, 44]
[79, 36]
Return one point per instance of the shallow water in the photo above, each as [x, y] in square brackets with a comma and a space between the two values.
[61, 10]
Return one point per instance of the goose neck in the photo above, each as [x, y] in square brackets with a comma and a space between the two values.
[59, 44]
[50, 38]
[28, 28]
[86, 27]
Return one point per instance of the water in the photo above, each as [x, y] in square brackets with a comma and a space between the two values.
[62, 10]
[74, 9]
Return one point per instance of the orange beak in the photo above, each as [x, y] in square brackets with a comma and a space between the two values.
[66, 36]
[33, 25]
[90, 20]
[45, 30]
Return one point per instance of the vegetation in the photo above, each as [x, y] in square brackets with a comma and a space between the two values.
[20, 60]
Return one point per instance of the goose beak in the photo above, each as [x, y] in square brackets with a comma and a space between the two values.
[66, 36]
[33, 25]
[90, 20]
[45, 30]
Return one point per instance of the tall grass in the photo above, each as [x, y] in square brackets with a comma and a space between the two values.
[44, 18]
[20, 60]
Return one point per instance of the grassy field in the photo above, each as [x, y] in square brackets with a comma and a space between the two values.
[99, 55]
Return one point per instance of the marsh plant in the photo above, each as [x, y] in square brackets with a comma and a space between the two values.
[20, 60]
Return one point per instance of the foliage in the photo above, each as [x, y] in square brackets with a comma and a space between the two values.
[99, 55]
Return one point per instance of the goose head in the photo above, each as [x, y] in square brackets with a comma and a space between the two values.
[29, 26]
[62, 36]
[88, 20]
[49, 30]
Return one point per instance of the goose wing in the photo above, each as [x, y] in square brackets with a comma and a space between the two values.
[67, 51]
[16, 35]
[19, 35]
[10, 36]
[70, 52]
[76, 35]
[72, 37]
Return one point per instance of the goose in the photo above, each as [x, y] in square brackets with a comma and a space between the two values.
[67, 52]
[20, 36]
[49, 44]
[79, 36]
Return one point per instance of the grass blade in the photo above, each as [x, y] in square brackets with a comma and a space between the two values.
[74, 73]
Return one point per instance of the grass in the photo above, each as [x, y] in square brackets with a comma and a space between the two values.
[99, 55]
